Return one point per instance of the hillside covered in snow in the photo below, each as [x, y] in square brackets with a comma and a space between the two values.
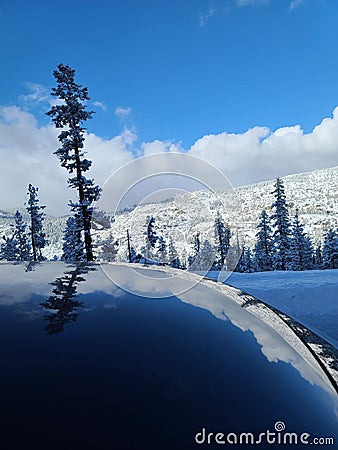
[315, 194]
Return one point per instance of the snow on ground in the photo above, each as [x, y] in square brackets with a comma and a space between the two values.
[310, 297]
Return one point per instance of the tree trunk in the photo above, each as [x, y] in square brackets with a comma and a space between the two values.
[33, 241]
[129, 249]
[86, 215]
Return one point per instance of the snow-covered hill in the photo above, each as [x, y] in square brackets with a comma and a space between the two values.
[315, 194]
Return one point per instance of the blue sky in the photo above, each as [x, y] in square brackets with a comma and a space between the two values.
[206, 77]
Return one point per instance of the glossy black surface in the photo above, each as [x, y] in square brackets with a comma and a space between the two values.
[120, 371]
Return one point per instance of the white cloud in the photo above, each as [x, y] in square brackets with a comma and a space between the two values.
[157, 146]
[260, 154]
[251, 2]
[203, 19]
[122, 111]
[26, 154]
[225, 8]
[109, 155]
[233, 4]
[100, 105]
[37, 94]
[294, 4]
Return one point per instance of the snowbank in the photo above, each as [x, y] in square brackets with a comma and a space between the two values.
[311, 297]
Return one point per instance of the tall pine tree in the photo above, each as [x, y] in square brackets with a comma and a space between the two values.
[70, 115]
[151, 236]
[194, 260]
[240, 266]
[20, 235]
[248, 261]
[38, 237]
[263, 250]
[222, 238]
[131, 253]
[300, 251]
[281, 235]
[197, 243]
[330, 250]
[173, 258]
[162, 250]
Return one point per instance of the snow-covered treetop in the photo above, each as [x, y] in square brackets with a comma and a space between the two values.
[72, 112]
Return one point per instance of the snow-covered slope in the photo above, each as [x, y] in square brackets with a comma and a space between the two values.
[315, 194]
[311, 297]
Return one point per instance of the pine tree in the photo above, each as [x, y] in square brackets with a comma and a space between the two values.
[245, 263]
[263, 249]
[300, 251]
[222, 237]
[248, 261]
[208, 255]
[240, 267]
[281, 235]
[132, 256]
[234, 253]
[204, 255]
[174, 260]
[130, 259]
[9, 250]
[233, 257]
[38, 237]
[72, 242]
[197, 243]
[183, 259]
[162, 250]
[308, 252]
[318, 258]
[330, 250]
[70, 116]
[151, 237]
[21, 238]
[109, 249]
[194, 259]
